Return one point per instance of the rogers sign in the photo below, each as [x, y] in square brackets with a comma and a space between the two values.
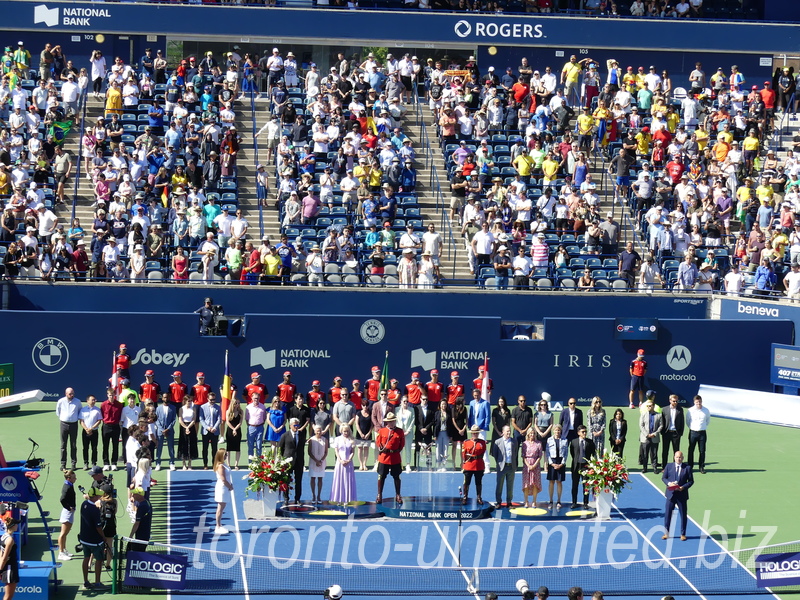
[491, 29]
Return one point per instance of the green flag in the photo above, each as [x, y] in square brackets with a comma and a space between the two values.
[385, 373]
[59, 131]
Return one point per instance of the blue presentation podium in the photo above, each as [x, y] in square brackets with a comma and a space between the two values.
[18, 485]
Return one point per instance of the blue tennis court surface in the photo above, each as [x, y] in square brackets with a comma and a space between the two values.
[624, 557]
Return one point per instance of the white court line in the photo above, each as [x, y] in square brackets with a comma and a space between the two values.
[723, 548]
[652, 545]
[239, 546]
[455, 558]
[169, 512]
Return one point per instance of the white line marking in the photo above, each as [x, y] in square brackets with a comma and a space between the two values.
[403, 547]
[652, 545]
[169, 512]
[723, 548]
[455, 558]
[239, 546]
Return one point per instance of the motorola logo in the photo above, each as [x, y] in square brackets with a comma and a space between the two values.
[679, 358]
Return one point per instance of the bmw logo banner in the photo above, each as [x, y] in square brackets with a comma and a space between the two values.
[159, 571]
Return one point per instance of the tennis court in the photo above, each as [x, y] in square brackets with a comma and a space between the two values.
[623, 557]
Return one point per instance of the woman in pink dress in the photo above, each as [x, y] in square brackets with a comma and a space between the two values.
[343, 488]
[180, 265]
[531, 470]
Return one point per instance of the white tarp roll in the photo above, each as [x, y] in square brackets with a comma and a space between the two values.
[747, 405]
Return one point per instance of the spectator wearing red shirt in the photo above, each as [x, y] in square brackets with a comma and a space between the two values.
[177, 389]
[111, 411]
[664, 135]
[337, 392]
[455, 390]
[356, 395]
[435, 388]
[315, 395]
[393, 393]
[150, 390]
[477, 383]
[675, 169]
[200, 390]
[286, 391]
[255, 386]
[123, 361]
[520, 90]
[374, 386]
[768, 97]
[414, 390]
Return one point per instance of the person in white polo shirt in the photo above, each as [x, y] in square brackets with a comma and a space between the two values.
[697, 419]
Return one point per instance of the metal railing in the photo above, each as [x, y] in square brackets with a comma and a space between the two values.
[259, 200]
[79, 154]
[434, 184]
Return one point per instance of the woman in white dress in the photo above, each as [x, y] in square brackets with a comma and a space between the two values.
[223, 487]
[318, 455]
[425, 276]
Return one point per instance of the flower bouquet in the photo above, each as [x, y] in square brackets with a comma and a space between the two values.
[269, 472]
[606, 473]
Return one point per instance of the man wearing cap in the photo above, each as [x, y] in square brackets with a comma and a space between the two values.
[177, 389]
[93, 540]
[373, 386]
[200, 390]
[149, 390]
[210, 421]
[435, 389]
[314, 396]
[166, 415]
[390, 442]
[206, 313]
[637, 369]
[255, 387]
[143, 520]
[473, 451]
[455, 390]
[111, 411]
[414, 390]
[286, 391]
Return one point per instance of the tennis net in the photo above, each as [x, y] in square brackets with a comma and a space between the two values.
[726, 572]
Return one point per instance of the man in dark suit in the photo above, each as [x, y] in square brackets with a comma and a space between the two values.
[424, 419]
[674, 423]
[651, 424]
[504, 452]
[678, 478]
[581, 450]
[292, 446]
[571, 420]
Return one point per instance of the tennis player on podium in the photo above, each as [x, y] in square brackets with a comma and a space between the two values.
[678, 478]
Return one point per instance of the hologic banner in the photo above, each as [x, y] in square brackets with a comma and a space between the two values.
[160, 571]
[776, 570]
[751, 405]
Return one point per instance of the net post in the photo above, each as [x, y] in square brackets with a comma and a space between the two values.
[115, 566]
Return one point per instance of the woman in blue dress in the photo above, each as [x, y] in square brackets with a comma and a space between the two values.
[248, 77]
[276, 423]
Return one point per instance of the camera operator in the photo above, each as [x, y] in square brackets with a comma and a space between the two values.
[207, 313]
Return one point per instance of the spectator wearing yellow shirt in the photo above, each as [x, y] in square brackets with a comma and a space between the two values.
[602, 116]
[550, 169]
[272, 263]
[726, 133]
[524, 164]
[673, 119]
[743, 192]
[643, 140]
[701, 135]
[629, 80]
[640, 79]
[585, 127]
[750, 145]
[764, 191]
[570, 78]
[5, 180]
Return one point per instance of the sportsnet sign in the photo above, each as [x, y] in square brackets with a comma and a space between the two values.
[776, 570]
[160, 571]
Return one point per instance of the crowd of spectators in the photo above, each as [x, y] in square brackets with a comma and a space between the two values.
[690, 164]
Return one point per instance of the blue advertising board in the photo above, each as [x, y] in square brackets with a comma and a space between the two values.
[277, 25]
[778, 570]
[731, 308]
[785, 365]
[159, 571]
[577, 357]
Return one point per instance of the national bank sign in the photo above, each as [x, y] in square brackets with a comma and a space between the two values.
[82, 17]
[497, 29]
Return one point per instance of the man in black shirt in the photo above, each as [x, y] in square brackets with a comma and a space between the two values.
[206, 313]
[620, 167]
[300, 411]
[521, 420]
[629, 261]
[144, 520]
[93, 539]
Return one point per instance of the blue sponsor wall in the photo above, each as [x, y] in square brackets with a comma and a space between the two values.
[281, 24]
[252, 299]
[767, 311]
[578, 357]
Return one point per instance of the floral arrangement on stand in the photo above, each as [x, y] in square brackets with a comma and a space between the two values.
[269, 472]
[606, 473]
